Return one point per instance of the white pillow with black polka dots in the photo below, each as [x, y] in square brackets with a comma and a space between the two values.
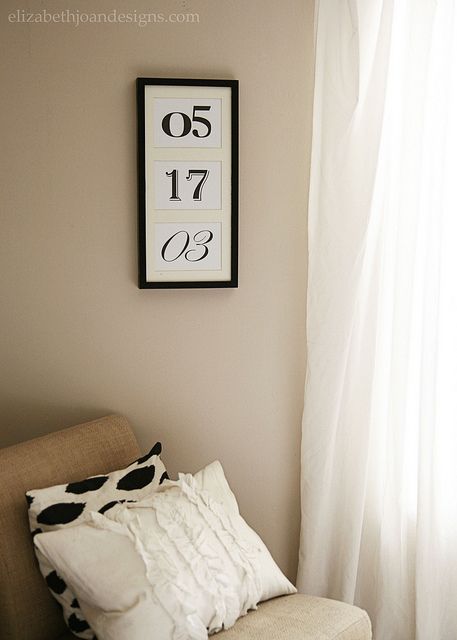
[67, 505]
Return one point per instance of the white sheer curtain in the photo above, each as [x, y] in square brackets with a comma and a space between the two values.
[379, 452]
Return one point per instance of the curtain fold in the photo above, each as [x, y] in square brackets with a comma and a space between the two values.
[379, 445]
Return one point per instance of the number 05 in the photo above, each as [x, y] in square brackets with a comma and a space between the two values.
[187, 123]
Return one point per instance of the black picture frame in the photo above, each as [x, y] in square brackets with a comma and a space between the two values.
[210, 109]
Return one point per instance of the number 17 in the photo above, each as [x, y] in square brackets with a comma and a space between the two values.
[197, 195]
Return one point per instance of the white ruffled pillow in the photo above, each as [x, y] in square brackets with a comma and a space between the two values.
[176, 566]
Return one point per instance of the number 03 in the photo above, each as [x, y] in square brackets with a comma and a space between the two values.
[178, 244]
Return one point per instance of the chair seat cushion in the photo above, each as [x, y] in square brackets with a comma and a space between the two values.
[297, 617]
[301, 617]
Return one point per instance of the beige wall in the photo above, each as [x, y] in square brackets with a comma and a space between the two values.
[213, 373]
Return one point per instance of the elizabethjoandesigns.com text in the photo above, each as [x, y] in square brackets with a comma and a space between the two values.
[77, 18]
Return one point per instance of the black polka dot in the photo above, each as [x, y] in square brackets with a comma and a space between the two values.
[34, 533]
[155, 451]
[29, 499]
[90, 484]
[163, 477]
[136, 479]
[55, 583]
[76, 624]
[74, 604]
[108, 505]
[61, 513]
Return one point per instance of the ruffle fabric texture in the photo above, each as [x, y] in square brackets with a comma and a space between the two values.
[200, 571]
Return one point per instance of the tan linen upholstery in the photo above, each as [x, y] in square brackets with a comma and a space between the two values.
[27, 611]
[301, 617]
[298, 617]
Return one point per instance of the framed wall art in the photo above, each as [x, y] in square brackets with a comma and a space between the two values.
[187, 183]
